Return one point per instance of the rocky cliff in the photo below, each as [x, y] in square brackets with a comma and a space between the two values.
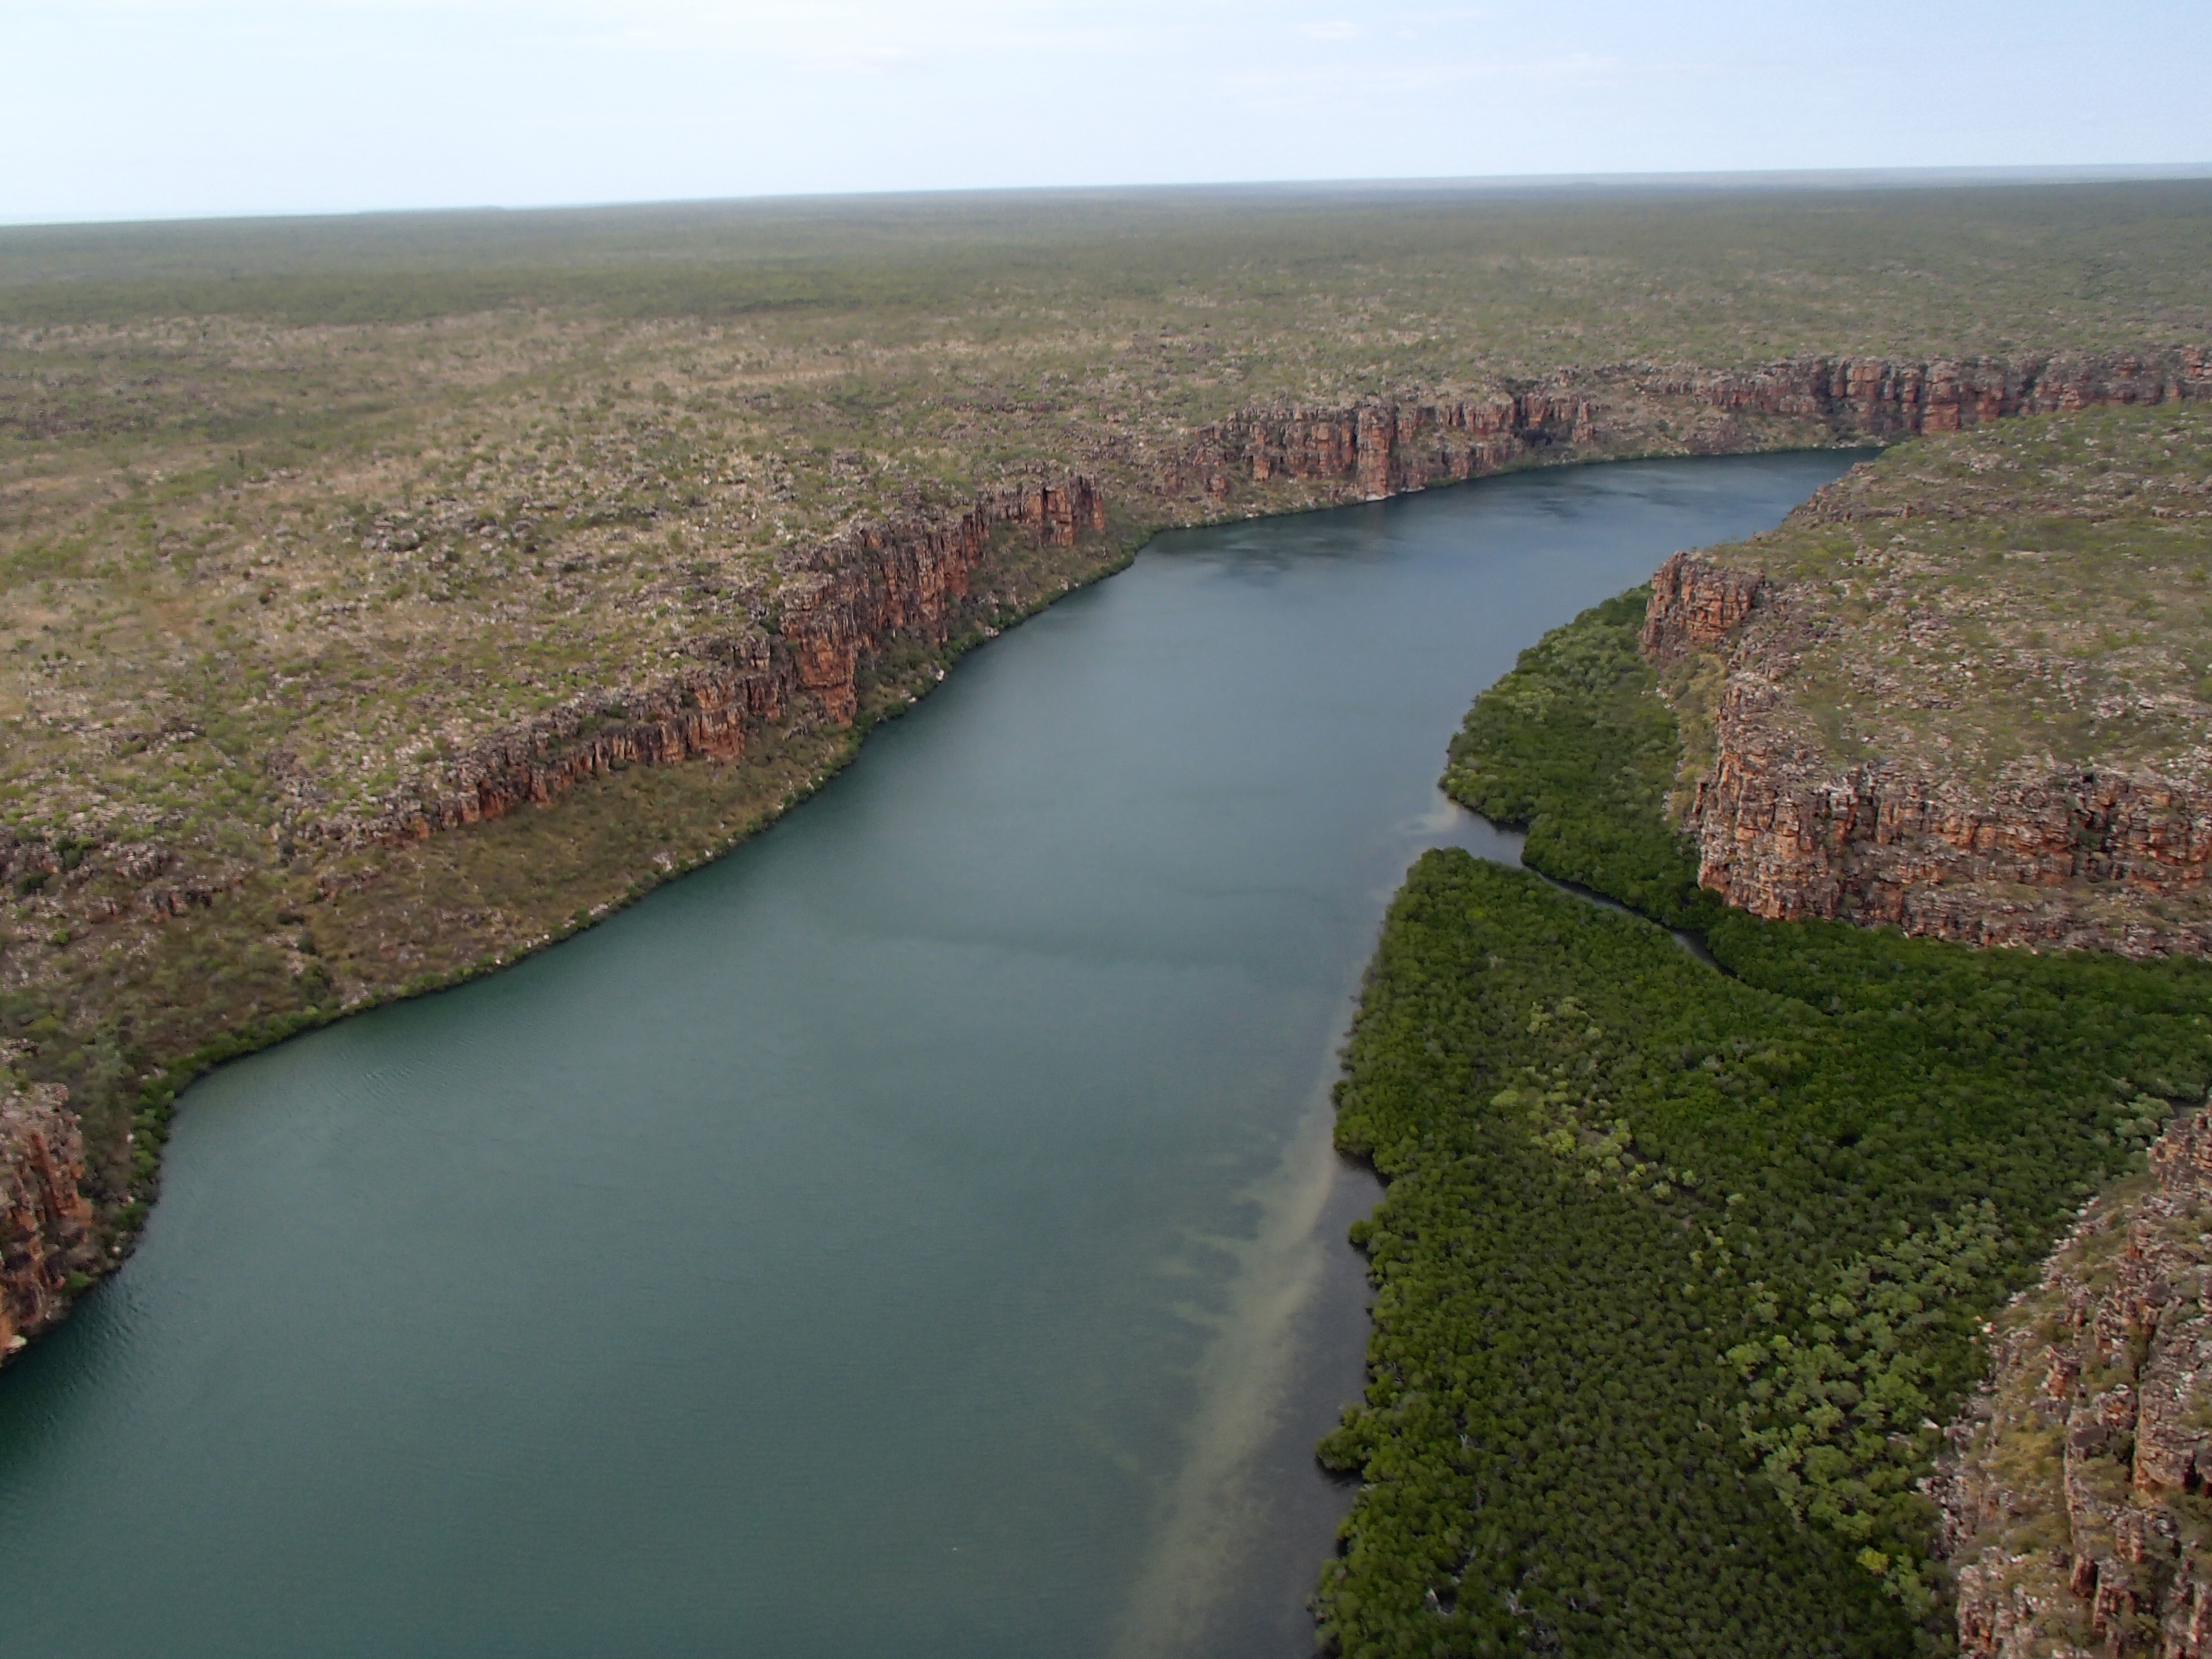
[1382, 447]
[1696, 604]
[44, 1220]
[2053, 862]
[1881, 397]
[1782, 832]
[834, 609]
[837, 607]
[2072, 1505]
[1914, 715]
[1390, 445]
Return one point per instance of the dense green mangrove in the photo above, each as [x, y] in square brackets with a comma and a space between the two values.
[1680, 1269]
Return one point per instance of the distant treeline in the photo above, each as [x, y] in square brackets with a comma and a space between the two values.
[1592, 273]
[1680, 1269]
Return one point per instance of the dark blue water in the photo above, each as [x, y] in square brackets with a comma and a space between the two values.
[915, 1234]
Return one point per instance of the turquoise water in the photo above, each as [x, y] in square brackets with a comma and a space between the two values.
[915, 1234]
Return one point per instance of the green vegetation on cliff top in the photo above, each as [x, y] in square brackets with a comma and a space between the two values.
[1678, 1268]
[294, 513]
[2024, 598]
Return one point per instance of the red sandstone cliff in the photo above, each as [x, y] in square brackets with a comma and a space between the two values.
[44, 1220]
[2068, 1507]
[839, 605]
[1880, 397]
[1381, 448]
[843, 603]
[1695, 605]
[2079, 856]
[1385, 446]
[2063, 858]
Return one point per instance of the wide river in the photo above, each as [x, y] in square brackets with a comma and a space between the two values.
[915, 1234]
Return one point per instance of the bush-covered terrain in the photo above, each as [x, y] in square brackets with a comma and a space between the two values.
[1680, 1267]
[294, 515]
[1993, 604]
[1575, 747]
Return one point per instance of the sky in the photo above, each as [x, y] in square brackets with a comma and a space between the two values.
[186, 109]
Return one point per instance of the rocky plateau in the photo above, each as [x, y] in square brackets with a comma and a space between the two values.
[1968, 710]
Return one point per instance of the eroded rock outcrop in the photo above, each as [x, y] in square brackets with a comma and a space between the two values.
[1784, 833]
[2071, 1513]
[835, 607]
[45, 1219]
[1882, 398]
[1903, 713]
[842, 602]
[1781, 835]
[1385, 446]
[1696, 604]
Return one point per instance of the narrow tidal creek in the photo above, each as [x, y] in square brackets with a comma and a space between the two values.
[915, 1234]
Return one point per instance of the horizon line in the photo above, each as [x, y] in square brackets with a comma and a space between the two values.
[1933, 177]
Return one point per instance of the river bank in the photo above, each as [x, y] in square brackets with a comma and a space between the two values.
[136, 964]
[473, 876]
[865, 1231]
[1681, 1273]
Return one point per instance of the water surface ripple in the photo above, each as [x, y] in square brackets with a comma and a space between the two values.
[915, 1234]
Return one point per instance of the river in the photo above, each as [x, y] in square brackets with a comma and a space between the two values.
[915, 1234]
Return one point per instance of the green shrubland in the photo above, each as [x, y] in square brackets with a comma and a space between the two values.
[1680, 1267]
[295, 516]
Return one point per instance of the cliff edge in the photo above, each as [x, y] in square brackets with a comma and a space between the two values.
[45, 1219]
[2073, 1506]
[1966, 690]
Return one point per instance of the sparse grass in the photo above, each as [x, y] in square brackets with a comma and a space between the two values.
[2005, 603]
[292, 512]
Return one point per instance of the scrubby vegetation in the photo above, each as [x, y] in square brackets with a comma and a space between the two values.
[1575, 747]
[295, 515]
[1680, 1267]
[2032, 595]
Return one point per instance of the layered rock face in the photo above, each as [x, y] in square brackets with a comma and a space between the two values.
[1880, 398]
[2070, 1508]
[45, 1219]
[839, 605]
[1695, 605]
[1908, 712]
[846, 601]
[1388, 445]
[1784, 833]
[1384, 447]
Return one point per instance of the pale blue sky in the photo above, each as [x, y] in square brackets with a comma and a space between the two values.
[133, 108]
